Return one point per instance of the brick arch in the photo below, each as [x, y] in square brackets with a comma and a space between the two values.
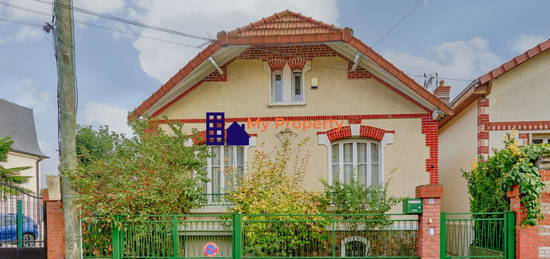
[276, 64]
[296, 63]
[364, 131]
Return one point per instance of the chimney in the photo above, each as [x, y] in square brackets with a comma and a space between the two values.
[442, 92]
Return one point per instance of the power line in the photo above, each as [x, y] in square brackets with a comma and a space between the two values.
[20, 23]
[97, 26]
[135, 23]
[395, 25]
[444, 78]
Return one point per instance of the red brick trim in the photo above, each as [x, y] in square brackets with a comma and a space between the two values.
[296, 63]
[482, 133]
[364, 131]
[430, 129]
[313, 117]
[276, 64]
[354, 121]
[429, 191]
[518, 125]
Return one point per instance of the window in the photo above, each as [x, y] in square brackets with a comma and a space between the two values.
[356, 159]
[224, 169]
[277, 86]
[297, 87]
[541, 138]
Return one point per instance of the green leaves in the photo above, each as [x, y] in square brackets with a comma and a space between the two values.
[489, 180]
[152, 172]
[10, 175]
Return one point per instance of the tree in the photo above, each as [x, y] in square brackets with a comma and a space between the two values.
[93, 144]
[149, 173]
[274, 187]
[10, 175]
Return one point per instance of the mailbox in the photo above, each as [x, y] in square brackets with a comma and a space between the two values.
[412, 206]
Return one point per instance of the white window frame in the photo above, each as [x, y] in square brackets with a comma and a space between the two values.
[273, 90]
[287, 82]
[293, 86]
[355, 162]
[545, 139]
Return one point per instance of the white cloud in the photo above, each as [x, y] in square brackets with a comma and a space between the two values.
[101, 6]
[525, 42]
[466, 59]
[27, 33]
[26, 94]
[206, 17]
[97, 114]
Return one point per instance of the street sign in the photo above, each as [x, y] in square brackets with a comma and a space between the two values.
[210, 249]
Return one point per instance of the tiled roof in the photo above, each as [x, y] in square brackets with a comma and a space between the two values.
[470, 95]
[17, 122]
[284, 23]
[514, 62]
[287, 28]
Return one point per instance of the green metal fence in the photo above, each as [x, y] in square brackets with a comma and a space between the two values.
[253, 236]
[478, 235]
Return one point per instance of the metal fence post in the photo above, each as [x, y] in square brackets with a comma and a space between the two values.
[510, 235]
[237, 250]
[116, 240]
[175, 238]
[19, 205]
[443, 235]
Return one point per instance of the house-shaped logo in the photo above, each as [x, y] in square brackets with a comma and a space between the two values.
[236, 135]
[217, 135]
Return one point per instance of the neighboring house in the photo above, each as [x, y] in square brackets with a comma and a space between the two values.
[17, 122]
[513, 98]
[369, 120]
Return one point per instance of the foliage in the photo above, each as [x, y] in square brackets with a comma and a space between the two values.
[489, 180]
[274, 187]
[93, 144]
[355, 198]
[149, 173]
[10, 175]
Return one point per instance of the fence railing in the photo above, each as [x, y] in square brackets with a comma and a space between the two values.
[252, 236]
[477, 235]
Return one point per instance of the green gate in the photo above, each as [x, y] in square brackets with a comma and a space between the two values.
[478, 235]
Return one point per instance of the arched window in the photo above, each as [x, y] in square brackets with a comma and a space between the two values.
[277, 86]
[354, 247]
[297, 86]
[356, 159]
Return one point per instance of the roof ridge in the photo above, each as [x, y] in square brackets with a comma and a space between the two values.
[273, 19]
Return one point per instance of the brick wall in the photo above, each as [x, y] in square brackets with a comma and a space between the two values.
[55, 228]
[544, 225]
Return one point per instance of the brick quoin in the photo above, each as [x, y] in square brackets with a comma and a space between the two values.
[482, 131]
[430, 130]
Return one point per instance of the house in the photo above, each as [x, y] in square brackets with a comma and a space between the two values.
[511, 99]
[17, 122]
[296, 76]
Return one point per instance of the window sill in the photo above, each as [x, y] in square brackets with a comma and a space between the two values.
[286, 104]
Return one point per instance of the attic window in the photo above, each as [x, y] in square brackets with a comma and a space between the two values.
[287, 84]
[297, 86]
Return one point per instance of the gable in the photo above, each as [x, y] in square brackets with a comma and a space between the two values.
[287, 29]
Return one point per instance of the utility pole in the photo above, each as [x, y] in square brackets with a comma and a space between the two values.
[66, 100]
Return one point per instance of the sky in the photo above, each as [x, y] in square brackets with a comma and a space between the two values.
[116, 71]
